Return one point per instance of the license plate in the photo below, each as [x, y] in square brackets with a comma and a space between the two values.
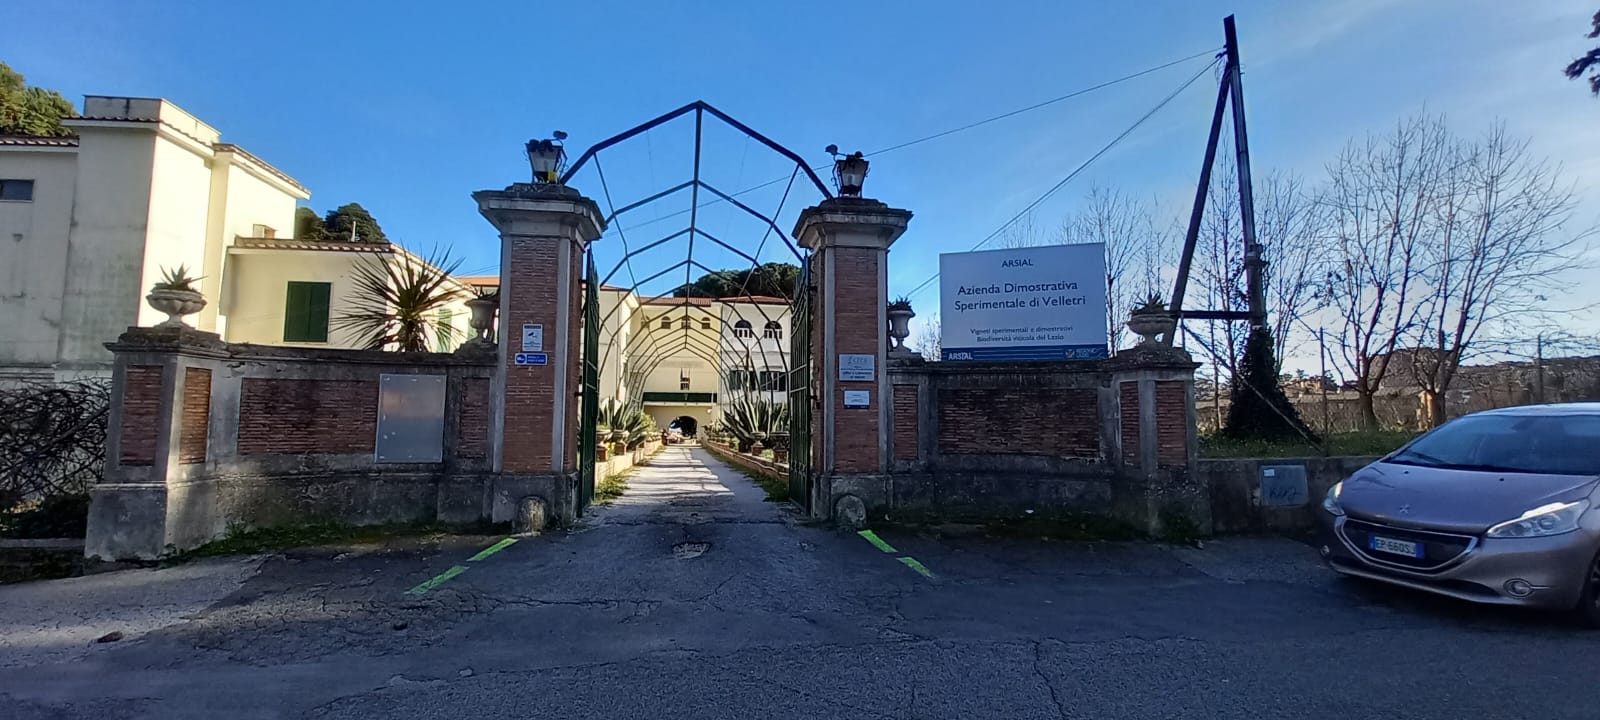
[1395, 547]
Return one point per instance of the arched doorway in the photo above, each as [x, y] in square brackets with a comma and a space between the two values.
[687, 425]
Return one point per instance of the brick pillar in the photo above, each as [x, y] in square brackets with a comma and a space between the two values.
[849, 239]
[533, 433]
[1157, 444]
[156, 496]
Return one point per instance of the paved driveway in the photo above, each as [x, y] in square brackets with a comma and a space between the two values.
[693, 598]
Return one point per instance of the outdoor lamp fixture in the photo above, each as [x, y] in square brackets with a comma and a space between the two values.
[547, 158]
[849, 171]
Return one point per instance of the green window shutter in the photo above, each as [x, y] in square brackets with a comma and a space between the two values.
[305, 312]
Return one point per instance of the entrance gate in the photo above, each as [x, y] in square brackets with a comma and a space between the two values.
[799, 394]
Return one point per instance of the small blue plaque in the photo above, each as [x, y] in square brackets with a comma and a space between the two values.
[531, 359]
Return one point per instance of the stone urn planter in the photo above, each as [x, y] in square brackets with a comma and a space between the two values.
[601, 452]
[176, 304]
[900, 315]
[1151, 319]
[483, 309]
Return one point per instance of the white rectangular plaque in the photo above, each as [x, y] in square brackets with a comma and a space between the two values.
[857, 367]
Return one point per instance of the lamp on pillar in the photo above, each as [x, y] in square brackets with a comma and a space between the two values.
[849, 171]
[547, 158]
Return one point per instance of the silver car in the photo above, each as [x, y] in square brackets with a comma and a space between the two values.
[1497, 507]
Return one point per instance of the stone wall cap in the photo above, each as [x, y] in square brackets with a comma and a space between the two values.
[1160, 356]
[189, 341]
[1006, 367]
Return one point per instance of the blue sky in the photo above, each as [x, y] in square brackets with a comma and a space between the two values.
[407, 108]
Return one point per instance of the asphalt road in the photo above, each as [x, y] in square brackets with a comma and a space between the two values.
[693, 598]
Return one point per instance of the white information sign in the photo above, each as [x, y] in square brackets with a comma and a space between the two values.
[532, 338]
[857, 398]
[1034, 303]
[858, 367]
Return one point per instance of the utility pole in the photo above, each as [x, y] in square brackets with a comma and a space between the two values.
[1255, 266]
[1230, 93]
[1322, 382]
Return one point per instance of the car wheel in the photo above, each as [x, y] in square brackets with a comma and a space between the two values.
[1588, 610]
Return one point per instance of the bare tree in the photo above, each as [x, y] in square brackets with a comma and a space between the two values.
[1218, 269]
[1127, 226]
[1291, 226]
[928, 341]
[1382, 201]
[1499, 245]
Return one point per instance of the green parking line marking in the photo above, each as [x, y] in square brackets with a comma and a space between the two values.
[492, 549]
[437, 580]
[912, 563]
[877, 542]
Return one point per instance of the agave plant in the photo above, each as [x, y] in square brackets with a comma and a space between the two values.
[176, 279]
[396, 302]
[751, 419]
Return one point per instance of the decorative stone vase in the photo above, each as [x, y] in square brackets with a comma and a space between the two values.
[1149, 325]
[176, 304]
[483, 308]
[600, 452]
[900, 326]
[617, 436]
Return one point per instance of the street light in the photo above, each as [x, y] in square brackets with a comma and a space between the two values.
[547, 157]
[849, 171]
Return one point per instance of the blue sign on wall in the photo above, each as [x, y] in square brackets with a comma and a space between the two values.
[531, 359]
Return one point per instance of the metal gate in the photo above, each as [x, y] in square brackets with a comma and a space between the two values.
[800, 390]
[590, 407]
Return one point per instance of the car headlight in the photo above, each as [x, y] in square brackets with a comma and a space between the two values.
[1331, 501]
[1552, 519]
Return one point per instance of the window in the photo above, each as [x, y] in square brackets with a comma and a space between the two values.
[444, 331]
[1510, 443]
[684, 323]
[743, 329]
[666, 323]
[16, 190]
[705, 323]
[774, 381]
[772, 331]
[683, 381]
[305, 312]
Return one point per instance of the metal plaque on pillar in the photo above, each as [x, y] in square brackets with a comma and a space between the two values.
[410, 418]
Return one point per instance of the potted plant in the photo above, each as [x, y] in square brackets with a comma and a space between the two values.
[176, 296]
[483, 306]
[780, 446]
[1149, 319]
[900, 315]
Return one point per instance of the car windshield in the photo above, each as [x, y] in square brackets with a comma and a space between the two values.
[1535, 444]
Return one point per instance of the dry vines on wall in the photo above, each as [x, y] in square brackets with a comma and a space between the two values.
[52, 438]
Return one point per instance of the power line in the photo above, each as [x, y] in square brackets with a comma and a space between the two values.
[969, 126]
[1079, 169]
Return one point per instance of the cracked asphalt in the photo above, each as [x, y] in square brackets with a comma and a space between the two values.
[691, 597]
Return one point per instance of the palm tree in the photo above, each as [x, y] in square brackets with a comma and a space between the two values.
[396, 302]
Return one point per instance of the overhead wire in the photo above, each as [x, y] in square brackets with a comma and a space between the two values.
[1079, 169]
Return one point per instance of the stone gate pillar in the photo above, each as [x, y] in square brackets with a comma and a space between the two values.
[849, 239]
[533, 417]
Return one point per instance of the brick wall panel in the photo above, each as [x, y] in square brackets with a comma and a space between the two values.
[1172, 423]
[906, 422]
[195, 424]
[857, 329]
[530, 391]
[1059, 422]
[141, 413]
[472, 424]
[1129, 422]
[307, 416]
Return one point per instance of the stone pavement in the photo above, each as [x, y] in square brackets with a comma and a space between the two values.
[691, 597]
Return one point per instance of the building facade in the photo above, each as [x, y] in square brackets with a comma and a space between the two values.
[89, 223]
